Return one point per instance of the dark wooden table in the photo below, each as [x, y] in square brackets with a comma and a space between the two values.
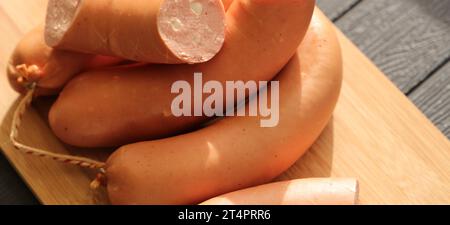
[408, 39]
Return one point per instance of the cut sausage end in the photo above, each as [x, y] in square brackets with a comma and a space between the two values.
[194, 30]
[60, 15]
[345, 191]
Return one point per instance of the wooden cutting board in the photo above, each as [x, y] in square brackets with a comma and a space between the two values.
[376, 135]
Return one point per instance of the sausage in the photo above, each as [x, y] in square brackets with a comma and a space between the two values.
[314, 191]
[157, 31]
[227, 3]
[236, 153]
[114, 107]
[33, 61]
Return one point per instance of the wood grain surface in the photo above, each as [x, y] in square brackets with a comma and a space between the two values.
[433, 98]
[377, 135]
[407, 39]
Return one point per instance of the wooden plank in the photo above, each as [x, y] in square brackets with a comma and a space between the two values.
[433, 98]
[377, 136]
[407, 39]
[335, 8]
[29, 16]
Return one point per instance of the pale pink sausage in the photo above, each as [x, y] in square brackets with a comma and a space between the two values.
[156, 31]
[313, 191]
